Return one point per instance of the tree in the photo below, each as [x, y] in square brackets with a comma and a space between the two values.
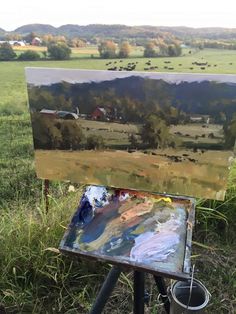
[174, 50]
[149, 50]
[77, 42]
[59, 51]
[72, 134]
[155, 132]
[29, 55]
[133, 141]
[230, 133]
[29, 37]
[107, 49]
[6, 52]
[95, 142]
[125, 49]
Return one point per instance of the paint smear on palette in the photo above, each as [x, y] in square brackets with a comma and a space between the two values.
[130, 227]
[157, 245]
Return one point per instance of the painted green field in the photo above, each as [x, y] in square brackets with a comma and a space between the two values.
[205, 178]
[13, 98]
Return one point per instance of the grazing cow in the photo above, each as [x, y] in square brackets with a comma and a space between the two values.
[112, 69]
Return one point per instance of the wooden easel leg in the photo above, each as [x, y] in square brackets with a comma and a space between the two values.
[138, 292]
[46, 192]
[106, 290]
[161, 286]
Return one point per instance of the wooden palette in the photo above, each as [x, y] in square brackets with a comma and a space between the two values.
[141, 230]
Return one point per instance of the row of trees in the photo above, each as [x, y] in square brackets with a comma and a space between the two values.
[54, 51]
[67, 134]
[108, 49]
[62, 134]
[215, 44]
[47, 39]
[153, 48]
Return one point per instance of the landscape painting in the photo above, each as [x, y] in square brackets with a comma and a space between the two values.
[147, 231]
[157, 132]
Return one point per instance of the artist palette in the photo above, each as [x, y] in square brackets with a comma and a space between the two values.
[149, 232]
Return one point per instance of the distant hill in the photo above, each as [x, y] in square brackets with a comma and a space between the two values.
[204, 33]
[92, 30]
[129, 32]
[2, 31]
[36, 28]
[205, 98]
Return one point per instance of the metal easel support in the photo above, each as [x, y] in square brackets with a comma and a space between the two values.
[139, 293]
[161, 286]
[106, 290]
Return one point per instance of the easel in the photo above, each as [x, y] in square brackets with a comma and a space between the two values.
[139, 291]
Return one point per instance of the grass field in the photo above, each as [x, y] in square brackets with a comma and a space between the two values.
[35, 278]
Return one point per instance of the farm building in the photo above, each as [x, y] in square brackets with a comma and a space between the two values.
[49, 113]
[67, 115]
[36, 41]
[99, 113]
[200, 118]
[19, 43]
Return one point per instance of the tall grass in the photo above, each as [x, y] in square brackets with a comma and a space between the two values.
[35, 277]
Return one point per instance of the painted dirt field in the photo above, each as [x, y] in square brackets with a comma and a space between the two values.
[133, 228]
[178, 172]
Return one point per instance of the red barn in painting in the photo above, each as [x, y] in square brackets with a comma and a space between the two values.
[36, 41]
[99, 114]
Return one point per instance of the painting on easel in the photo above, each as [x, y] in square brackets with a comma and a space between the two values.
[147, 231]
[171, 133]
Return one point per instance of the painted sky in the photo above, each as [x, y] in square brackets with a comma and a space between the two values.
[47, 76]
[198, 13]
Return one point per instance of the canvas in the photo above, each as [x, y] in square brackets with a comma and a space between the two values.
[157, 132]
[145, 231]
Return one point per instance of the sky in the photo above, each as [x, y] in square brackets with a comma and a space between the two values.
[199, 13]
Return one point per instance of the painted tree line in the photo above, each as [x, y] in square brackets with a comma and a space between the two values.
[155, 113]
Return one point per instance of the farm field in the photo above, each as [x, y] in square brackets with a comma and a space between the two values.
[116, 133]
[13, 97]
[198, 172]
[35, 278]
[139, 170]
